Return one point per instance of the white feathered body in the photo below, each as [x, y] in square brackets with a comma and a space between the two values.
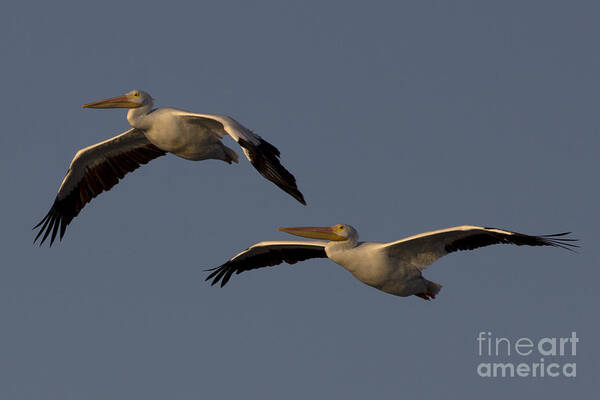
[185, 134]
[373, 265]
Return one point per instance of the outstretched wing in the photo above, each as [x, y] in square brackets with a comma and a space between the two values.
[261, 154]
[95, 169]
[423, 249]
[267, 254]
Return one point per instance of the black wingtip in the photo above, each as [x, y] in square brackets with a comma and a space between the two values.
[217, 275]
[557, 240]
[46, 225]
[53, 226]
[297, 195]
[292, 189]
[220, 274]
[49, 227]
[212, 274]
[265, 158]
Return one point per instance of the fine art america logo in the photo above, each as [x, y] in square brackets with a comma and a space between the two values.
[527, 358]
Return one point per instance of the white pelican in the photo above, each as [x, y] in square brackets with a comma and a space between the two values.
[154, 133]
[393, 267]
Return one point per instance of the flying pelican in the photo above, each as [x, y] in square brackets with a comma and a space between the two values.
[393, 267]
[155, 133]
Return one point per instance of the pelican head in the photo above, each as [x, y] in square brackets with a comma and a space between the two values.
[133, 99]
[339, 232]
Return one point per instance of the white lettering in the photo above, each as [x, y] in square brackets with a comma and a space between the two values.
[563, 340]
[504, 367]
[498, 341]
[480, 339]
[518, 344]
[484, 370]
[549, 370]
[523, 370]
[572, 373]
[552, 351]
[574, 341]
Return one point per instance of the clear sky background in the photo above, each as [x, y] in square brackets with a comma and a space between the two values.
[395, 117]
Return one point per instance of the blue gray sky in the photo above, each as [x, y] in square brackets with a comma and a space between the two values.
[395, 117]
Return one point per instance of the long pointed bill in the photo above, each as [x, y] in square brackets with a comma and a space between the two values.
[114, 102]
[312, 232]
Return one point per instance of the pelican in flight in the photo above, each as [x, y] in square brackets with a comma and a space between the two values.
[393, 267]
[154, 133]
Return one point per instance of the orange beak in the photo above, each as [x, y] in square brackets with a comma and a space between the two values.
[123, 101]
[313, 232]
